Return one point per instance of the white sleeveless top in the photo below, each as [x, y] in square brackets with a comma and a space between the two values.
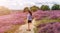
[29, 17]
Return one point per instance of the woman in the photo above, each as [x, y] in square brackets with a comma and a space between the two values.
[29, 18]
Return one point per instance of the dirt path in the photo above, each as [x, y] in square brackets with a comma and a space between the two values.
[23, 28]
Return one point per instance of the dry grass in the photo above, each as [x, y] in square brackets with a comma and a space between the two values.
[14, 28]
[46, 21]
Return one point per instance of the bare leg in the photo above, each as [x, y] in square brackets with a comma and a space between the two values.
[29, 26]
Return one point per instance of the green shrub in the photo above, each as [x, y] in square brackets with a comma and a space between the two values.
[34, 8]
[44, 7]
[55, 7]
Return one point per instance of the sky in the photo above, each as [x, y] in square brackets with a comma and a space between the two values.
[20, 4]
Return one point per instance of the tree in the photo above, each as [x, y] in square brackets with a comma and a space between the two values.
[4, 10]
[44, 7]
[26, 9]
[55, 7]
[34, 8]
